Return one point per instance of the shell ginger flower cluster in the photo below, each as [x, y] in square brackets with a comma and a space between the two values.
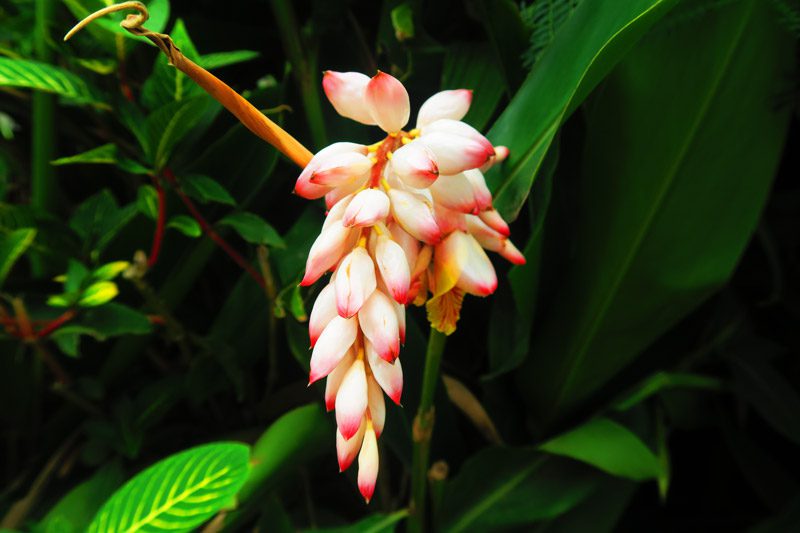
[408, 221]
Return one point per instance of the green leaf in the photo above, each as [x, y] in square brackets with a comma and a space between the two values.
[608, 446]
[147, 201]
[545, 18]
[289, 443]
[168, 125]
[110, 271]
[12, 246]
[178, 493]
[102, 154]
[133, 167]
[588, 45]
[660, 214]
[27, 74]
[98, 219]
[598, 513]
[254, 229]
[472, 66]
[186, 225]
[68, 343]
[98, 294]
[205, 189]
[75, 276]
[377, 523]
[75, 510]
[110, 320]
[500, 488]
[167, 84]
[661, 381]
[403, 22]
[224, 59]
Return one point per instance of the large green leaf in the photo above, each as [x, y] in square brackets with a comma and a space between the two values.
[166, 83]
[584, 50]
[289, 443]
[168, 125]
[253, 228]
[608, 446]
[500, 488]
[673, 186]
[377, 523]
[178, 493]
[106, 154]
[28, 74]
[74, 512]
[12, 246]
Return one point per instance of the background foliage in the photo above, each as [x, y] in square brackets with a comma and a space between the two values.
[639, 372]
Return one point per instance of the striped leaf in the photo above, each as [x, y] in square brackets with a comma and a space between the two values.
[178, 493]
[27, 74]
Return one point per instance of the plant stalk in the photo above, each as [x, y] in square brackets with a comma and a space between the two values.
[44, 194]
[304, 70]
[423, 430]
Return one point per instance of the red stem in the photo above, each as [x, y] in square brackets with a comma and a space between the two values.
[216, 237]
[55, 324]
[158, 236]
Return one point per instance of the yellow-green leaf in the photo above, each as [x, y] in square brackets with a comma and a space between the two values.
[178, 493]
[98, 294]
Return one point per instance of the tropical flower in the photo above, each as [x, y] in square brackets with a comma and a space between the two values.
[408, 220]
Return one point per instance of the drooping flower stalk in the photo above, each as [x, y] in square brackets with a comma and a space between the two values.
[408, 220]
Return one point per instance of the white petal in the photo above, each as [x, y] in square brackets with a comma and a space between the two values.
[452, 104]
[355, 281]
[346, 91]
[368, 464]
[337, 337]
[336, 212]
[456, 193]
[340, 169]
[454, 153]
[312, 191]
[387, 101]
[483, 197]
[414, 213]
[335, 379]
[461, 129]
[393, 266]
[322, 313]
[325, 252]
[414, 164]
[409, 244]
[351, 399]
[493, 219]
[379, 323]
[388, 375]
[477, 273]
[377, 407]
[368, 207]
[347, 449]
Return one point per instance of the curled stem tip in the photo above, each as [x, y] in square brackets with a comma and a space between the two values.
[254, 120]
[131, 22]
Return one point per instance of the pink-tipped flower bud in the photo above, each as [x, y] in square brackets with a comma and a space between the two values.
[445, 104]
[387, 102]
[367, 207]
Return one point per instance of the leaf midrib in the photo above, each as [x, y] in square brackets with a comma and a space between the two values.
[492, 497]
[175, 500]
[645, 227]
